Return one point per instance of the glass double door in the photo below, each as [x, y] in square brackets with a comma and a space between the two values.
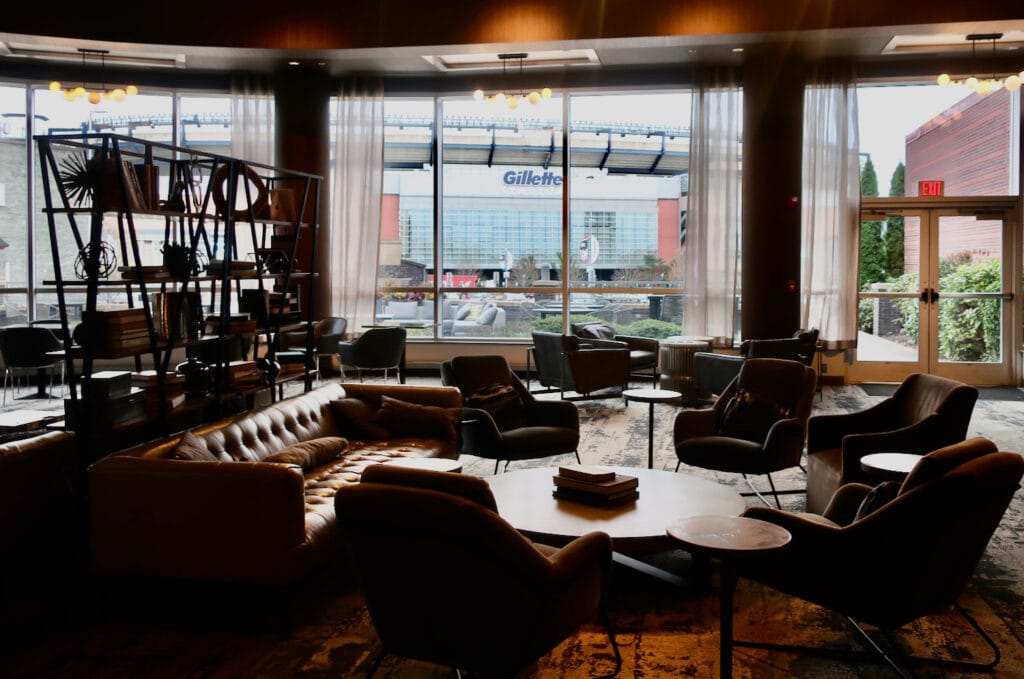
[936, 291]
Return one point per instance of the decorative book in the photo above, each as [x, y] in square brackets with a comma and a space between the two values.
[585, 472]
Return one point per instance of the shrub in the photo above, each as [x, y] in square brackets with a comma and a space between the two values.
[554, 323]
[649, 327]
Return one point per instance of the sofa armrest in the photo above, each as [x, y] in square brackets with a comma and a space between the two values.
[234, 521]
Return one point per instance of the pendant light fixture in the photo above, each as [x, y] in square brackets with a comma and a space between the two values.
[984, 85]
[94, 95]
[512, 99]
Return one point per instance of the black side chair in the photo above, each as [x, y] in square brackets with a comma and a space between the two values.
[327, 332]
[501, 420]
[24, 348]
[376, 349]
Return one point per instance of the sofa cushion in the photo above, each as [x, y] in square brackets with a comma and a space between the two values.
[357, 418]
[488, 315]
[312, 453]
[463, 312]
[410, 419]
[194, 449]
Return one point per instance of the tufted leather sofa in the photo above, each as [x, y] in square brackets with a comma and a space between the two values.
[239, 519]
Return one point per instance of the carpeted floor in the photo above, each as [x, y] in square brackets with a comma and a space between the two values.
[104, 629]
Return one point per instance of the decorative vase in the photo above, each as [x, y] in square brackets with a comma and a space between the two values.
[197, 377]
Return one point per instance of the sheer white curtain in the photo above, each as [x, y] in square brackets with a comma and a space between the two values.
[711, 256]
[353, 238]
[252, 120]
[831, 204]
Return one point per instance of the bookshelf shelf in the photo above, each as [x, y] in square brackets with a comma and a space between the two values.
[111, 201]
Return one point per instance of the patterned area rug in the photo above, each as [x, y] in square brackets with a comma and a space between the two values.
[114, 630]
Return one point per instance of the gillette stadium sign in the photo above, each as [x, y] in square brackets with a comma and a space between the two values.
[531, 178]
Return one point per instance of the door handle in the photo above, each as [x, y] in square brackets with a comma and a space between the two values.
[924, 295]
[929, 295]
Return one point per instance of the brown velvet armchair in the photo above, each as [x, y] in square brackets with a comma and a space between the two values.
[887, 562]
[448, 581]
[568, 363]
[757, 425]
[501, 420]
[925, 413]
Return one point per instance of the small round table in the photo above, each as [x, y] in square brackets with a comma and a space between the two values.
[436, 464]
[650, 396]
[729, 538]
[890, 466]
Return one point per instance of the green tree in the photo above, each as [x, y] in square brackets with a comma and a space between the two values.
[893, 235]
[872, 250]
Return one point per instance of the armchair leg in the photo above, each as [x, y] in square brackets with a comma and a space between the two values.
[577, 454]
[606, 621]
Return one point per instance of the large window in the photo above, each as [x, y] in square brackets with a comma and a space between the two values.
[26, 262]
[14, 242]
[506, 255]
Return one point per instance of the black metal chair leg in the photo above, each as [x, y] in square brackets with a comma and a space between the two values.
[606, 621]
[774, 492]
[577, 454]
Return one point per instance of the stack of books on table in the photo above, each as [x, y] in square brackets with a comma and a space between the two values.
[595, 486]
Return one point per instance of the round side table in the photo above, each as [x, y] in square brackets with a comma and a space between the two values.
[675, 363]
[729, 538]
[889, 466]
[650, 396]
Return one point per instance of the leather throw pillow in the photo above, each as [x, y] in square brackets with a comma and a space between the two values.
[357, 419]
[312, 453]
[502, 402]
[413, 419]
[749, 417]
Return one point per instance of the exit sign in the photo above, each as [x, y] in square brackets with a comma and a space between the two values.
[930, 188]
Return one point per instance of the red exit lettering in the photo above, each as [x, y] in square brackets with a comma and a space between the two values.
[930, 188]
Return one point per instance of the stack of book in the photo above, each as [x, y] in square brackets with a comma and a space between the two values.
[149, 382]
[241, 375]
[112, 334]
[595, 486]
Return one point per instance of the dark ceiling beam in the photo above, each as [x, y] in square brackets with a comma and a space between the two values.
[308, 24]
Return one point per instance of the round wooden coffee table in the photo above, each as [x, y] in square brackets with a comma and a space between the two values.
[525, 501]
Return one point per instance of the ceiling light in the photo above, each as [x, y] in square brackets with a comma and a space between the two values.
[94, 95]
[984, 85]
[512, 100]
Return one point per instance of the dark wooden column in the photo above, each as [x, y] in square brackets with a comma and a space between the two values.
[302, 115]
[773, 84]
